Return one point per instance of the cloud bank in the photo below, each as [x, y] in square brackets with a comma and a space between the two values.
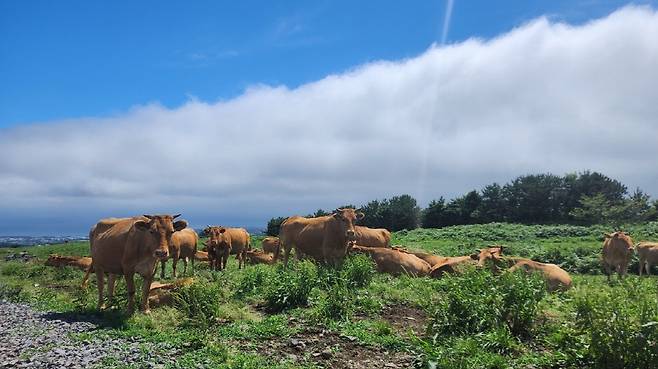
[544, 97]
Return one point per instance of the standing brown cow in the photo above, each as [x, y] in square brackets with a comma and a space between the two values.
[270, 245]
[128, 246]
[648, 253]
[219, 247]
[372, 237]
[323, 239]
[240, 242]
[182, 247]
[617, 252]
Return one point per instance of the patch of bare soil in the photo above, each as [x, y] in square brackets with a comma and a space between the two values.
[330, 350]
[405, 319]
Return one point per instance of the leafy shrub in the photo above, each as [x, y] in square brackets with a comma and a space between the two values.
[200, 302]
[621, 325]
[358, 271]
[290, 288]
[337, 303]
[478, 302]
[10, 293]
[254, 278]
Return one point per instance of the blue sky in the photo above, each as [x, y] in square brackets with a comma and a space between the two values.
[233, 113]
[70, 59]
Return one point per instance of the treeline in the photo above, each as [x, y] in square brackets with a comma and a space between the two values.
[585, 198]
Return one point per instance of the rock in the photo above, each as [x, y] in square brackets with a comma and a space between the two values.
[326, 354]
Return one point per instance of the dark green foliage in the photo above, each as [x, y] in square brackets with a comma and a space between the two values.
[200, 303]
[10, 293]
[394, 214]
[479, 302]
[274, 225]
[290, 288]
[357, 271]
[621, 325]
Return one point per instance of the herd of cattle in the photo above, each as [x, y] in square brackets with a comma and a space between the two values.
[125, 246]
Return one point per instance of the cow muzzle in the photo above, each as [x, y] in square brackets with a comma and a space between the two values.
[161, 254]
[350, 235]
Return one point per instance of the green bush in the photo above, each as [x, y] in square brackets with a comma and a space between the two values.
[11, 293]
[254, 278]
[621, 325]
[336, 304]
[478, 302]
[200, 302]
[358, 271]
[290, 288]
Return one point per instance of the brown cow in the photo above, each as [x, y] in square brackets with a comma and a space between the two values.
[556, 278]
[80, 262]
[128, 246]
[218, 246]
[431, 259]
[270, 245]
[254, 257]
[240, 242]
[323, 239]
[456, 264]
[394, 262]
[372, 237]
[201, 256]
[648, 254]
[182, 247]
[617, 252]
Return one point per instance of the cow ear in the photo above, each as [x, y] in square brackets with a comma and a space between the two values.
[222, 230]
[360, 215]
[337, 215]
[142, 225]
[180, 225]
[475, 255]
[607, 235]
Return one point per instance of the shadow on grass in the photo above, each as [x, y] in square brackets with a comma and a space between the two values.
[101, 319]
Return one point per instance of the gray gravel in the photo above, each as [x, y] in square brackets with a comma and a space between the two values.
[32, 339]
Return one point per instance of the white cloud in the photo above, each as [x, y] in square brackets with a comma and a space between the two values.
[543, 97]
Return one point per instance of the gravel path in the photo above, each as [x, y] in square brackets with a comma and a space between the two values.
[32, 339]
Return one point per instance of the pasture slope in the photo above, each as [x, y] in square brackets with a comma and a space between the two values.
[349, 317]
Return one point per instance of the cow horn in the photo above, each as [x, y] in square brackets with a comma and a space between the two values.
[148, 216]
[175, 216]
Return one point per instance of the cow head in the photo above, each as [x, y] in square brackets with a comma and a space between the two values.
[622, 238]
[491, 253]
[218, 239]
[346, 219]
[160, 228]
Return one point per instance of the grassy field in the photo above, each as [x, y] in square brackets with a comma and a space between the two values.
[310, 316]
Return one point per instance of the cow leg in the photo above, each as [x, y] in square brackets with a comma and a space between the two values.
[174, 262]
[162, 270]
[239, 256]
[130, 286]
[100, 281]
[286, 255]
[111, 284]
[607, 269]
[192, 264]
[146, 288]
[641, 267]
[184, 266]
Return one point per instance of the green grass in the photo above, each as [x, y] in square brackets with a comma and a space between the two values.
[476, 320]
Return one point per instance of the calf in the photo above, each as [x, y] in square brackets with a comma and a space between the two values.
[80, 262]
[182, 247]
[648, 254]
[456, 264]
[617, 252]
[218, 246]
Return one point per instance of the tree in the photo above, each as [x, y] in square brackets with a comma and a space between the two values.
[274, 225]
[493, 205]
[592, 210]
[401, 212]
[433, 216]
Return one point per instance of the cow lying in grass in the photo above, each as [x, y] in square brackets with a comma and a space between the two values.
[431, 259]
[254, 257]
[556, 278]
[457, 264]
[80, 262]
[394, 262]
